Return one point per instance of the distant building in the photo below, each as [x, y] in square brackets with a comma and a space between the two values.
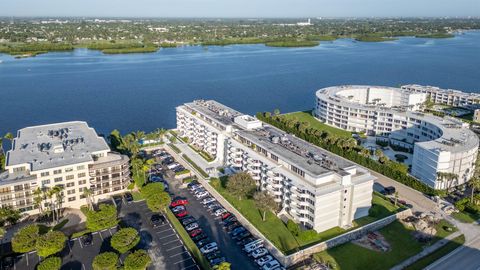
[70, 155]
[439, 144]
[476, 116]
[307, 23]
[446, 96]
[314, 187]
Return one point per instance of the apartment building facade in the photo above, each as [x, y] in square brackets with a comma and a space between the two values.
[315, 188]
[439, 144]
[70, 155]
[449, 97]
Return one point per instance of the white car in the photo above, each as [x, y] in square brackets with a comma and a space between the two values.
[198, 191]
[173, 165]
[210, 247]
[195, 187]
[263, 260]
[179, 208]
[191, 226]
[257, 253]
[202, 194]
[252, 247]
[271, 265]
[208, 200]
[219, 212]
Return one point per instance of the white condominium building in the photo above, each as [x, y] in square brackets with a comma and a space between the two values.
[438, 144]
[445, 96]
[316, 188]
[70, 155]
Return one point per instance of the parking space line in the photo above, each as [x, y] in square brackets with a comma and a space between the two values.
[174, 247]
[183, 252]
[164, 231]
[80, 242]
[163, 225]
[182, 261]
[166, 243]
[83, 266]
[100, 235]
[167, 236]
[190, 267]
[26, 256]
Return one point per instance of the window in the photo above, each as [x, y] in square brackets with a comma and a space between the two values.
[71, 199]
[81, 167]
[71, 184]
[70, 177]
[80, 175]
[274, 157]
[68, 169]
[45, 182]
[43, 174]
[58, 179]
[70, 192]
[57, 171]
[82, 182]
[298, 171]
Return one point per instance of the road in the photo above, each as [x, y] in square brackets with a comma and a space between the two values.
[466, 257]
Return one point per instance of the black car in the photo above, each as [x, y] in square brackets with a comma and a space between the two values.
[245, 241]
[242, 235]
[203, 242]
[8, 263]
[194, 182]
[229, 220]
[199, 237]
[87, 239]
[188, 220]
[157, 220]
[212, 255]
[217, 261]
[128, 197]
[232, 226]
[229, 223]
[238, 231]
[388, 191]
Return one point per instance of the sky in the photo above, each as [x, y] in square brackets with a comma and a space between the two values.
[241, 8]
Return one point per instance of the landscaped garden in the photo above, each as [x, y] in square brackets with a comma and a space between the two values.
[306, 116]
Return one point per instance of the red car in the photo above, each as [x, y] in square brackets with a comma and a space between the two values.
[195, 232]
[181, 214]
[226, 215]
[178, 202]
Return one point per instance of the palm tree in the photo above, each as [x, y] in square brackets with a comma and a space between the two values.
[50, 193]
[474, 184]
[88, 193]
[147, 164]
[57, 192]
[9, 136]
[38, 200]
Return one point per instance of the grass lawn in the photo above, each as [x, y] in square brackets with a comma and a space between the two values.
[350, 256]
[466, 217]
[199, 258]
[427, 260]
[306, 116]
[276, 231]
[381, 208]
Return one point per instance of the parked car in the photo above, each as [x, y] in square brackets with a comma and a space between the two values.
[195, 232]
[193, 183]
[191, 226]
[187, 220]
[210, 247]
[128, 197]
[178, 202]
[246, 241]
[173, 165]
[181, 214]
[212, 255]
[257, 253]
[8, 263]
[242, 235]
[232, 226]
[217, 261]
[219, 212]
[198, 190]
[252, 246]
[202, 194]
[203, 242]
[207, 200]
[213, 206]
[226, 215]
[199, 237]
[157, 220]
[273, 264]
[238, 230]
[388, 190]
[263, 260]
[87, 239]
[194, 187]
[178, 209]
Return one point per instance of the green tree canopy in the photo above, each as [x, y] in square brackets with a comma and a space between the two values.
[125, 239]
[105, 261]
[158, 202]
[50, 243]
[50, 263]
[264, 202]
[9, 215]
[105, 217]
[25, 239]
[223, 266]
[240, 184]
[138, 260]
[152, 189]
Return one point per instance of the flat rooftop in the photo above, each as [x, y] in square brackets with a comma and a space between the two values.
[214, 110]
[55, 145]
[436, 89]
[313, 160]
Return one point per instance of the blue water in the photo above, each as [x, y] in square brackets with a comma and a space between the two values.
[140, 91]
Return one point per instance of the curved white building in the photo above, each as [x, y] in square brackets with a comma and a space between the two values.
[439, 144]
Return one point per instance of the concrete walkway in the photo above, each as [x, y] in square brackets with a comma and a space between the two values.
[426, 251]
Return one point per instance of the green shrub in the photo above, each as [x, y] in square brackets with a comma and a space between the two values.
[105, 261]
[50, 263]
[125, 239]
[104, 218]
[138, 260]
[78, 234]
[50, 243]
[25, 239]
